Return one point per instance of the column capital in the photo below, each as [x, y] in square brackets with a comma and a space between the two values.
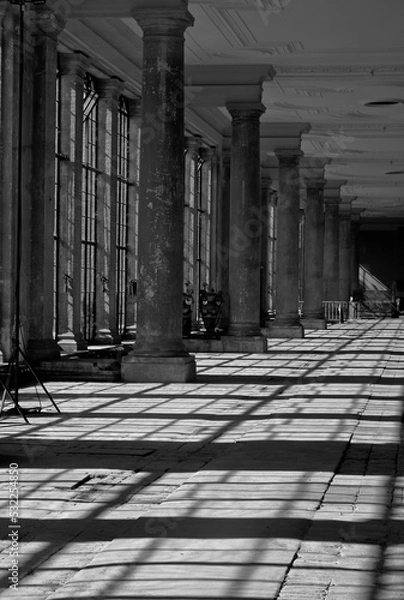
[273, 197]
[73, 64]
[345, 208]
[313, 167]
[226, 155]
[288, 156]
[46, 21]
[134, 107]
[110, 88]
[317, 183]
[3, 8]
[245, 111]
[193, 143]
[356, 215]
[332, 200]
[266, 183]
[332, 190]
[163, 21]
[207, 153]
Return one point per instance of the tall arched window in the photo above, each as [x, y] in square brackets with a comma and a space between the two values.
[89, 208]
[56, 230]
[122, 213]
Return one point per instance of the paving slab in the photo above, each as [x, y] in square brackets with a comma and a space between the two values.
[276, 476]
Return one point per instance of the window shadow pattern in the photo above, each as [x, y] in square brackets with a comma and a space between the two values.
[273, 476]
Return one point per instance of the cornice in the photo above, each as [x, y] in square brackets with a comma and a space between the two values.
[339, 71]
[164, 21]
[224, 75]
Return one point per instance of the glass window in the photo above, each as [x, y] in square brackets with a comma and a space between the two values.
[122, 213]
[89, 209]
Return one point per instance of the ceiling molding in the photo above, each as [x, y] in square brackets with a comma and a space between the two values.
[262, 6]
[101, 9]
[339, 71]
[222, 75]
[220, 95]
[231, 26]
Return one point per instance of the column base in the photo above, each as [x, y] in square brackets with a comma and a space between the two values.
[69, 345]
[248, 343]
[129, 333]
[42, 350]
[158, 369]
[285, 330]
[103, 336]
[313, 323]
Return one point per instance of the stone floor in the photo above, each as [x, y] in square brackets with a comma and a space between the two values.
[276, 476]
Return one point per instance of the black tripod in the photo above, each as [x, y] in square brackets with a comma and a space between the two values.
[13, 372]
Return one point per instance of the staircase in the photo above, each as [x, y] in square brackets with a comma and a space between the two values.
[376, 302]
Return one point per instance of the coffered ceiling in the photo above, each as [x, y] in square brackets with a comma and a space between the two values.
[332, 69]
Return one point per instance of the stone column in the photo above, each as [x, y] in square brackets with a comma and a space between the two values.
[72, 73]
[287, 323]
[314, 251]
[355, 258]
[345, 260]
[214, 236]
[109, 92]
[222, 247]
[159, 353]
[192, 145]
[205, 206]
[302, 250]
[46, 27]
[9, 177]
[273, 210]
[331, 243]
[244, 333]
[134, 114]
[264, 263]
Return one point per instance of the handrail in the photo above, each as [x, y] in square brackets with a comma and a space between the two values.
[335, 311]
[338, 311]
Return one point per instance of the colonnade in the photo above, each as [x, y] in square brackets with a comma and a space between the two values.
[240, 242]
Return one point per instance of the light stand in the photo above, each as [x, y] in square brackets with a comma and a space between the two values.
[14, 365]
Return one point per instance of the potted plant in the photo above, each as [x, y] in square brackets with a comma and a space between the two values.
[187, 308]
[210, 307]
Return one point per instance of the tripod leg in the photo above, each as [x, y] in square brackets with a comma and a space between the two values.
[6, 392]
[38, 380]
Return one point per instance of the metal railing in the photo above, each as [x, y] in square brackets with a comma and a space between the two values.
[339, 311]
